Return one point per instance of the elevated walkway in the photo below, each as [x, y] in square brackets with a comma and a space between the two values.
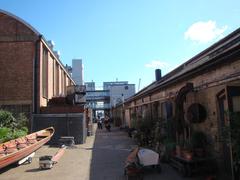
[94, 97]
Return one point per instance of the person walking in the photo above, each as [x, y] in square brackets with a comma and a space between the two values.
[107, 124]
[99, 123]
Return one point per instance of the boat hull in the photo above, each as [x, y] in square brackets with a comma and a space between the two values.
[22, 153]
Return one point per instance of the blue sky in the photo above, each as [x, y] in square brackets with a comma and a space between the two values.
[128, 39]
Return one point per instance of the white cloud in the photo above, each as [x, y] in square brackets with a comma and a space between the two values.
[204, 32]
[157, 64]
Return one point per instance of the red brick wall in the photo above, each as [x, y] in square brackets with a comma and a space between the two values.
[16, 72]
[14, 30]
[207, 85]
[17, 54]
[17, 46]
[56, 82]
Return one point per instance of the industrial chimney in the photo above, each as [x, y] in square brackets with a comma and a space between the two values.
[158, 74]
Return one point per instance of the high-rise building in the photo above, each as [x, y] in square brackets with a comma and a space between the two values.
[77, 71]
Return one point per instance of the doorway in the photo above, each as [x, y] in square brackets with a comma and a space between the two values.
[228, 101]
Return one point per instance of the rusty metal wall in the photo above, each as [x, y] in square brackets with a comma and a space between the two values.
[71, 124]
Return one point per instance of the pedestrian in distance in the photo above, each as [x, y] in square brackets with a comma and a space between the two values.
[107, 124]
[99, 123]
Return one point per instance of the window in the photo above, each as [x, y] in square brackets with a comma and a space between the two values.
[236, 103]
[44, 72]
[166, 110]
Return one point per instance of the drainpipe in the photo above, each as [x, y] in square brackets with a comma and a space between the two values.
[35, 80]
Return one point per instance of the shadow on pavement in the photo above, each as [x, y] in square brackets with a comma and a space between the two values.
[7, 168]
[109, 154]
[34, 170]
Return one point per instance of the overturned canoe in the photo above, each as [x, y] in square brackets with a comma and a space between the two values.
[17, 149]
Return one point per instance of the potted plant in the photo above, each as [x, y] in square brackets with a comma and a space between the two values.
[199, 142]
[168, 149]
[234, 131]
[179, 145]
[187, 152]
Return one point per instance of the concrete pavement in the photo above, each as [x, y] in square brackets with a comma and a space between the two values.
[102, 157]
[109, 153]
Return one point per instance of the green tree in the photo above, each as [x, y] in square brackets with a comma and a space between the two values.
[11, 127]
[7, 120]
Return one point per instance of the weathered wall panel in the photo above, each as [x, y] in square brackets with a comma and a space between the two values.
[64, 124]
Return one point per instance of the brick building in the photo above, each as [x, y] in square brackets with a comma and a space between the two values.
[31, 73]
[194, 96]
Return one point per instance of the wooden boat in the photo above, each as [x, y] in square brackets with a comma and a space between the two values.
[17, 149]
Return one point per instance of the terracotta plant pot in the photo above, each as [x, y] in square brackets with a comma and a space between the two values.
[187, 154]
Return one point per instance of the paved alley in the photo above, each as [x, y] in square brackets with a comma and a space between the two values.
[109, 153]
[100, 158]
